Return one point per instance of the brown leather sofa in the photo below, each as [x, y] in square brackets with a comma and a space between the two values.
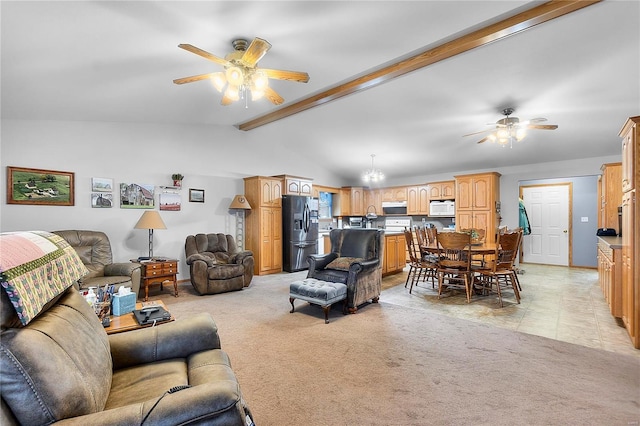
[94, 249]
[355, 260]
[62, 367]
[216, 265]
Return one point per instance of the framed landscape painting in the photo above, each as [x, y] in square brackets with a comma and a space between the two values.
[39, 187]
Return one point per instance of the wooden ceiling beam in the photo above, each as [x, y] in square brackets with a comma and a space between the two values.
[493, 32]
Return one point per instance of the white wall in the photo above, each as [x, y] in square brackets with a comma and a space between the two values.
[211, 158]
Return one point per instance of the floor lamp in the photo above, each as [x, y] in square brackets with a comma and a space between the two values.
[240, 204]
[150, 220]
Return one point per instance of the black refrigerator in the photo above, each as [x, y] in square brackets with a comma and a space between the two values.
[299, 231]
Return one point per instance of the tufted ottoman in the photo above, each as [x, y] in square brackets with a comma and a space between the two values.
[318, 292]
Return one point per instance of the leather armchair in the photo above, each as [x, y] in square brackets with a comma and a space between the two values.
[355, 260]
[94, 249]
[63, 368]
[216, 265]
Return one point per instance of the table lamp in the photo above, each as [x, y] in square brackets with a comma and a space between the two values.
[150, 220]
[240, 204]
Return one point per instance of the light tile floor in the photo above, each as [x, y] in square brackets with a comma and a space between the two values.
[556, 302]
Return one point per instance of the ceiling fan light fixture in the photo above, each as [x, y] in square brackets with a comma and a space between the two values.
[219, 81]
[235, 76]
[256, 94]
[232, 93]
[260, 81]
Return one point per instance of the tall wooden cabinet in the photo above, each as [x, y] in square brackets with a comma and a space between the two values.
[477, 202]
[630, 180]
[264, 223]
[610, 195]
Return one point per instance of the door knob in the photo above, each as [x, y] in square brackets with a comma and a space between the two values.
[565, 231]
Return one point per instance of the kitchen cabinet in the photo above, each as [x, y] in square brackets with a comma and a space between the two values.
[610, 272]
[317, 189]
[396, 193]
[418, 200]
[352, 201]
[394, 259]
[294, 185]
[630, 178]
[442, 190]
[610, 195]
[373, 201]
[264, 223]
[477, 202]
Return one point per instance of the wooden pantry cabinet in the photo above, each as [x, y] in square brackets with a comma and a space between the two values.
[264, 223]
[610, 195]
[630, 182]
[477, 202]
[610, 273]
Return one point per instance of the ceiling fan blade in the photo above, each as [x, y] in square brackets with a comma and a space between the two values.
[537, 120]
[477, 133]
[193, 78]
[255, 52]
[204, 54]
[301, 77]
[226, 100]
[542, 126]
[273, 96]
[483, 140]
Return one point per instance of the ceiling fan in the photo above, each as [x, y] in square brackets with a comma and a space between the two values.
[241, 75]
[510, 129]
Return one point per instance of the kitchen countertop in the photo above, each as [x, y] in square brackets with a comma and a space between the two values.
[613, 242]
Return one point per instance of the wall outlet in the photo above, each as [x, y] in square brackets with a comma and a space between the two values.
[584, 219]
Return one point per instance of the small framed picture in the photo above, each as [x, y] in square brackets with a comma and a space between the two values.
[101, 185]
[39, 187]
[101, 200]
[196, 195]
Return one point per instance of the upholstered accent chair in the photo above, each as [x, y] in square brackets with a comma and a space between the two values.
[59, 365]
[355, 260]
[216, 265]
[94, 249]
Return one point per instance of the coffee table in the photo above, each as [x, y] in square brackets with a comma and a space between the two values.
[127, 322]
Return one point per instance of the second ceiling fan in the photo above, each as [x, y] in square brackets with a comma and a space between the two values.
[510, 129]
[241, 76]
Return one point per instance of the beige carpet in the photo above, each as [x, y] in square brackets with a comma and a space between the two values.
[393, 365]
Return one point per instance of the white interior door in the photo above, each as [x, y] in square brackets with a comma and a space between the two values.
[548, 210]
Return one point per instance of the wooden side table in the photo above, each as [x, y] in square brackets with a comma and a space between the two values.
[159, 272]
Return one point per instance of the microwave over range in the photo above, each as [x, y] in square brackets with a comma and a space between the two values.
[442, 208]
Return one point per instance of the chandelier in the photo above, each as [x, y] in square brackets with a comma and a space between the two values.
[373, 174]
[508, 130]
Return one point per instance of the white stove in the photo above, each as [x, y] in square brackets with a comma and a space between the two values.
[397, 224]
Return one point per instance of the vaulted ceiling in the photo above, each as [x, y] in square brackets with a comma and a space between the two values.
[115, 61]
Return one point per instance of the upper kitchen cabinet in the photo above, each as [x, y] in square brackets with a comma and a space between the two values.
[418, 200]
[610, 195]
[373, 201]
[397, 193]
[317, 189]
[357, 201]
[442, 190]
[295, 185]
[477, 202]
[263, 191]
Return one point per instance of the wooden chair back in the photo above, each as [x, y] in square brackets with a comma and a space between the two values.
[454, 251]
[412, 246]
[507, 248]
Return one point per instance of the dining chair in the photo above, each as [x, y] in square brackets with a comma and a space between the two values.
[454, 262]
[500, 272]
[419, 268]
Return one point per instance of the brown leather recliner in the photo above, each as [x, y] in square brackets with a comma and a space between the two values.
[355, 260]
[61, 366]
[216, 265]
[94, 249]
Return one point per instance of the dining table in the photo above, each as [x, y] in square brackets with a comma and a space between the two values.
[483, 248]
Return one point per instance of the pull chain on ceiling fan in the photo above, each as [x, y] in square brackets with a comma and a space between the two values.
[511, 129]
[242, 76]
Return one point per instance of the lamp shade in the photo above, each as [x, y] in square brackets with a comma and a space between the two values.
[239, 202]
[150, 220]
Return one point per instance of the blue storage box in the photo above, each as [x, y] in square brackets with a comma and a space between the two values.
[123, 304]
